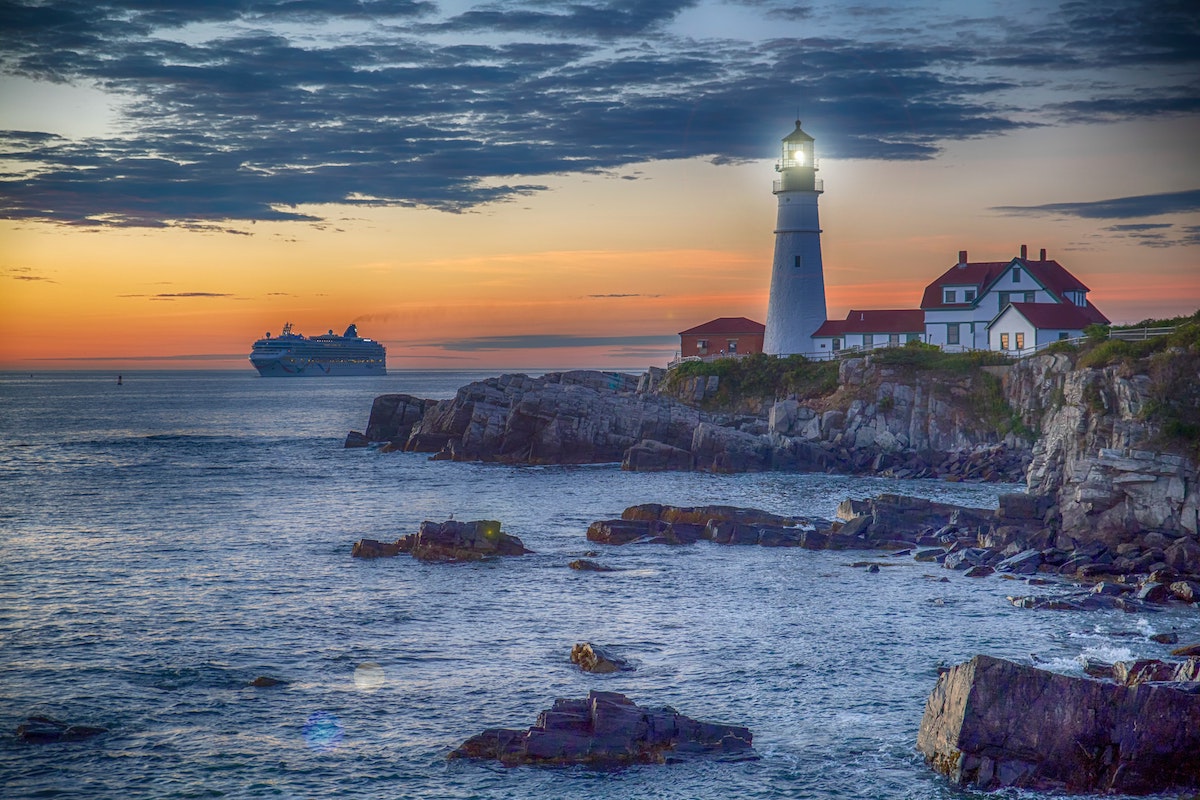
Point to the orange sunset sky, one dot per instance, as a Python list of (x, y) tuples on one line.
[(526, 189)]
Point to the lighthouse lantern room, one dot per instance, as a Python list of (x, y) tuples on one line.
[(797, 303)]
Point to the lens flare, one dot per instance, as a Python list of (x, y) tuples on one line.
[(323, 731), (368, 676)]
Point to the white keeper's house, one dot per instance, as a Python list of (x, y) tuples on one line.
[(1012, 305)]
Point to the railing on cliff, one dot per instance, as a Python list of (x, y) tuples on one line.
[(1123, 334)]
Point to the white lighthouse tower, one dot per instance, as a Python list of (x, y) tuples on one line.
[(797, 305)]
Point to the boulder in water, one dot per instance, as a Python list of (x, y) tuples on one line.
[(607, 729), (593, 658), (45, 730)]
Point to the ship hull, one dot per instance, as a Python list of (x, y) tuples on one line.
[(315, 368)]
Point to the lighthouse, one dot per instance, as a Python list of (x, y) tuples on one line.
[(797, 305)]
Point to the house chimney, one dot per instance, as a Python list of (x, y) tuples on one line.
[(1024, 252), (962, 258), (1043, 256)]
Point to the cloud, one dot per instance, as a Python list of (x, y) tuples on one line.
[(603, 296), (262, 110), (25, 274), (551, 341), (1146, 205), (173, 295)]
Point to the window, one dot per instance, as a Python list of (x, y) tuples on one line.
[(702, 345), (837, 345), (733, 345), (799, 262), (893, 339), (1062, 335), (868, 340), (1005, 299), (1030, 297), (969, 296), (952, 333), (912, 337), (948, 296), (1021, 341), (1004, 341), (1016, 274)]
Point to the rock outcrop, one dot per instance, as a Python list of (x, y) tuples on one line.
[(600, 660), (1097, 456), (991, 723), (446, 541), (607, 729), (652, 523), (45, 730), (392, 419)]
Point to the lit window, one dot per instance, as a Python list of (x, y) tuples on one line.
[(1020, 341), (1004, 341), (948, 295)]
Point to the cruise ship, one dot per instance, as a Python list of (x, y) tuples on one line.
[(293, 355)]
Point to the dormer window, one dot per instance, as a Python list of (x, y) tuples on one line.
[(969, 296), (949, 296), (1016, 275)]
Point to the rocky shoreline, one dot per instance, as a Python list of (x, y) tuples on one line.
[(1109, 522)]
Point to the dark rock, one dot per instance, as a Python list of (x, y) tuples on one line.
[(1134, 673), (1154, 593), (461, 541), (607, 730), (873, 568), (979, 571), (356, 439), (393, 417), (1165, 638), (1187, 650), (45, 730), (1097, 669), (651, 456), (990, 723), (1184, 556), (265, 682), (1187, 591), (1023, 563), (585, 565), (593, 658), (372, 548)]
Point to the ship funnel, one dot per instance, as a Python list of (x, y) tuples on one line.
[(351, 332)]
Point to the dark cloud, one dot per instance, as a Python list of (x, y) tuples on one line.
[(173, 295), (1146, 205), (550, 340), (299, 103), (24, 274)]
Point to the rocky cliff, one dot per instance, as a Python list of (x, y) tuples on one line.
[(1103, 454)]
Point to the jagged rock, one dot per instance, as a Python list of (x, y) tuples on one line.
[(1184, 556), (393, 417), (1134, 673), (356, 439), (593, 658), (979, 571), (1187, 591), (372, 548), (1187, 650), (604, 730), (718, 449), (586, 565), (461, 541), (1023, 563), (45, 730), (622, 531), (990, 723)]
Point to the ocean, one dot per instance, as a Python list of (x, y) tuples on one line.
[(166, 541)]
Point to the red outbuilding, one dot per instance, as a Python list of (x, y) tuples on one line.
[(722, 336)]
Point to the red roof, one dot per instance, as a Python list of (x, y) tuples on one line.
[(726, 325), (1063, 316), (903, 320), (982, 274)]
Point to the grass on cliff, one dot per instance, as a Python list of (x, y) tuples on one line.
[(760, 376), (1172, 362)]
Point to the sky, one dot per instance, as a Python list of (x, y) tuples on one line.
[(536, 184)]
